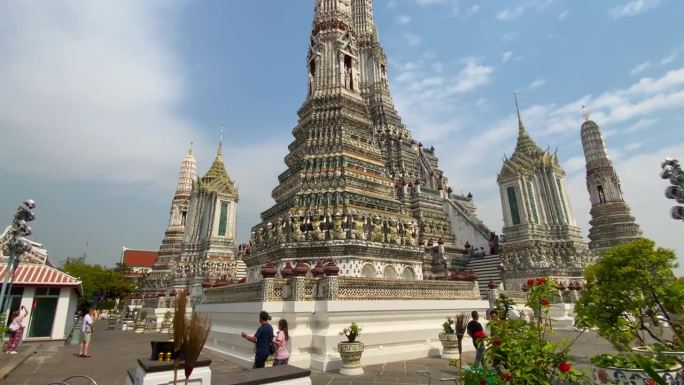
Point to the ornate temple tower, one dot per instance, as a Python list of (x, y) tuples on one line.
[(419, 183), (336, 200), (611, 221), (208, 248), (173, 237), (541, 236)]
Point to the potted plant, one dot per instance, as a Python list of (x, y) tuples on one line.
[(624, 312), (140, 324), (449, 340), (166, 323), (351, 351), (628, 369), (520, 353)]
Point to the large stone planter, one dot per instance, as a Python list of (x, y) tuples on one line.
[(351, 352), (622, 376), (449, 345)]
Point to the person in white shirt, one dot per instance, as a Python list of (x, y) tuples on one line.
[(86, 333)]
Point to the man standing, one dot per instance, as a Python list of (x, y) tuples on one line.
[(475, 331), (263, 338), (86, 333)]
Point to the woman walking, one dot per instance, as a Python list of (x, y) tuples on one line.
[(16, 330), (282, 354)]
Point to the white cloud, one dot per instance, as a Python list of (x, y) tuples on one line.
[(392, 4), (426, 92), (633, 8), (641, 124), (564, 15), (672, 79), (429, 2), (536, 84), (510, 14), (510, 36), (472, 76), (669, 58), (640, 68), (92, 78), (506, 56), (403, 19), (633, 146), (411, 39)]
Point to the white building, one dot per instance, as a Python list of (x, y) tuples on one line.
[(51, 296)]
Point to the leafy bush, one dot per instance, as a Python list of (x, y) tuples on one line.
[(613, 303), (351, 332), (522, 352), (446, 326), (628, 361), (504, 305)]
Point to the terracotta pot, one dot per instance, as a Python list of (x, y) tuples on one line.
[(286, 272), (318, 270), (268, 270), (331, 268), (300, 269), (351, 352)]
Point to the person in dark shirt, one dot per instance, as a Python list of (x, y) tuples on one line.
[(475, 331), (262, 338)]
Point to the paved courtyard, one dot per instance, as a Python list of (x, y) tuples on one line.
[(113, 352)]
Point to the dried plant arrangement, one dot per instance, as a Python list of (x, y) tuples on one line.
[(460, 326), (180, 330), (198, 331)]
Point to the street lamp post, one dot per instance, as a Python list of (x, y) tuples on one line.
[(17, 245), (672, 170)]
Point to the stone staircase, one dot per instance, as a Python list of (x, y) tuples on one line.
[(487, 268)]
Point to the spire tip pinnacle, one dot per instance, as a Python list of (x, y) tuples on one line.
[(585, 113), (521, 128)]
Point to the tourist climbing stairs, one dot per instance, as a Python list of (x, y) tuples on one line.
[(487, 269)]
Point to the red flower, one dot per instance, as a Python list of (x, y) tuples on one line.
[(541, 281), (497, 342), (545, 302), (483, 382), (506, 376), (530, 282), (479, 334), (564, 367), (650, 381)]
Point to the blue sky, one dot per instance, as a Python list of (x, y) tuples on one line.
[(99, 101)]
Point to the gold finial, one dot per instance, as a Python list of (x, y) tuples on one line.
[(517, 109), (220, 148), (585, 113)]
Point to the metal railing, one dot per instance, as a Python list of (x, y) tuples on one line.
[(66, 381)]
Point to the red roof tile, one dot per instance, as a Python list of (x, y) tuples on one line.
[(139, 258), (41, 275)]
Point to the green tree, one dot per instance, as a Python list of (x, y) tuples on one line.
[(98, 282), (630, 285)]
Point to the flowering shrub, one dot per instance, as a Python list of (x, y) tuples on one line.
[(519, 352)]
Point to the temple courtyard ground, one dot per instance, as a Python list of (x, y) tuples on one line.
[(113, 352)]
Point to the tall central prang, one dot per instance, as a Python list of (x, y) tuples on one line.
[(357, 189)]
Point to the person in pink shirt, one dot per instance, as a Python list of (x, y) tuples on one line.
[(16, 330), (282, 355)]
